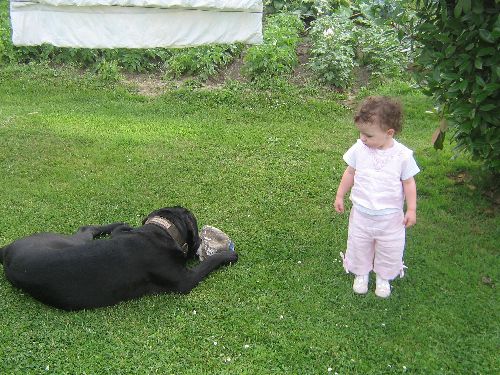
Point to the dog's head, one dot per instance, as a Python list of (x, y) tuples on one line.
[(186, 224)]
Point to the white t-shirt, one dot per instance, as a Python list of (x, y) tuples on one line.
[(378, 188)]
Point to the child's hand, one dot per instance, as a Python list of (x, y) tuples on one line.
[(339, 205), (410, 218)]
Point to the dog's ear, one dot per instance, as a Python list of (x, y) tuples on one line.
[(193, 235), (192, 224), (161, 212)]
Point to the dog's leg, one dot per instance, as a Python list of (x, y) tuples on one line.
[(121, 228), (90, 232), (210, 264)]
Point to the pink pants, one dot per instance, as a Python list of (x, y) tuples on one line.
[(375, 243)]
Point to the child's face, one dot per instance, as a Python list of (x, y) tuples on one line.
[(373, 136)]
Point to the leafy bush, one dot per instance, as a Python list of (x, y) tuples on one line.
[(108, 71), (277, 55), (6, 52), (340, 44), (132, 60), (2, 45), (398, 15), (332, 52), (203, 60), (140, 60), (379, 50), (304, 8), (459, 65)]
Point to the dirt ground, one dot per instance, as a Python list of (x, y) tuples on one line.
[(153, 84)]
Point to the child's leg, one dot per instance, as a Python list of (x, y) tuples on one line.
[(389, 247), (360, 245)]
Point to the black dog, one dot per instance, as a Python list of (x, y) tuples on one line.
[(83, 271)]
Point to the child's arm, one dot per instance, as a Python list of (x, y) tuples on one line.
[(345, 185), (410, 190)]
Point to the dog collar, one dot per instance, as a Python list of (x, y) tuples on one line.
[(171, 229)]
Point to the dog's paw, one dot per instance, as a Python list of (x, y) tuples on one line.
[(232, 256)]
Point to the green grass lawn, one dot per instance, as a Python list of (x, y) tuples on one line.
[(264, 167)]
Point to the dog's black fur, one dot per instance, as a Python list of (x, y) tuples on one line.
[(83, 271)]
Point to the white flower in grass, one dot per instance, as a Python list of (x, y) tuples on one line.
[(215, 343), (328, 33), (246, 346)]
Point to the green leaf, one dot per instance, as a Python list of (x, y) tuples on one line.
[(279, 4), (486, 51), (450, 76), (457, 12), (487, 107), (478, 63), (463, 85), (492, 87), (486, 36), (480, 97), (466, 6), (470, 46), (478, 7), (450, 50), (436, 74), (466, 67), (438, 139)]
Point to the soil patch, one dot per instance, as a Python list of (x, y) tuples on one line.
[(150, 84)]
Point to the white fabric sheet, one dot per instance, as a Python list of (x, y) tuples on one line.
[(227, 5), (135, 23)]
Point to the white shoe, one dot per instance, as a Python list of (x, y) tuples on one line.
[(360, 285), (383, 288)]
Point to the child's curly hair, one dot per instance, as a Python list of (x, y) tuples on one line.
[(388, 112)]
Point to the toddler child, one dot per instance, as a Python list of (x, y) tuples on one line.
[(380, 176)]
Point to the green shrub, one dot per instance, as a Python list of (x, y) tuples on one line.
[(108, 71), (138, 60), (379, 50), (332, 52), (203, 60), (343, 41), (398, 15), (304, 8), (277, 55), (6, 48), (131, 60), (459, 65), (2, 48)]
